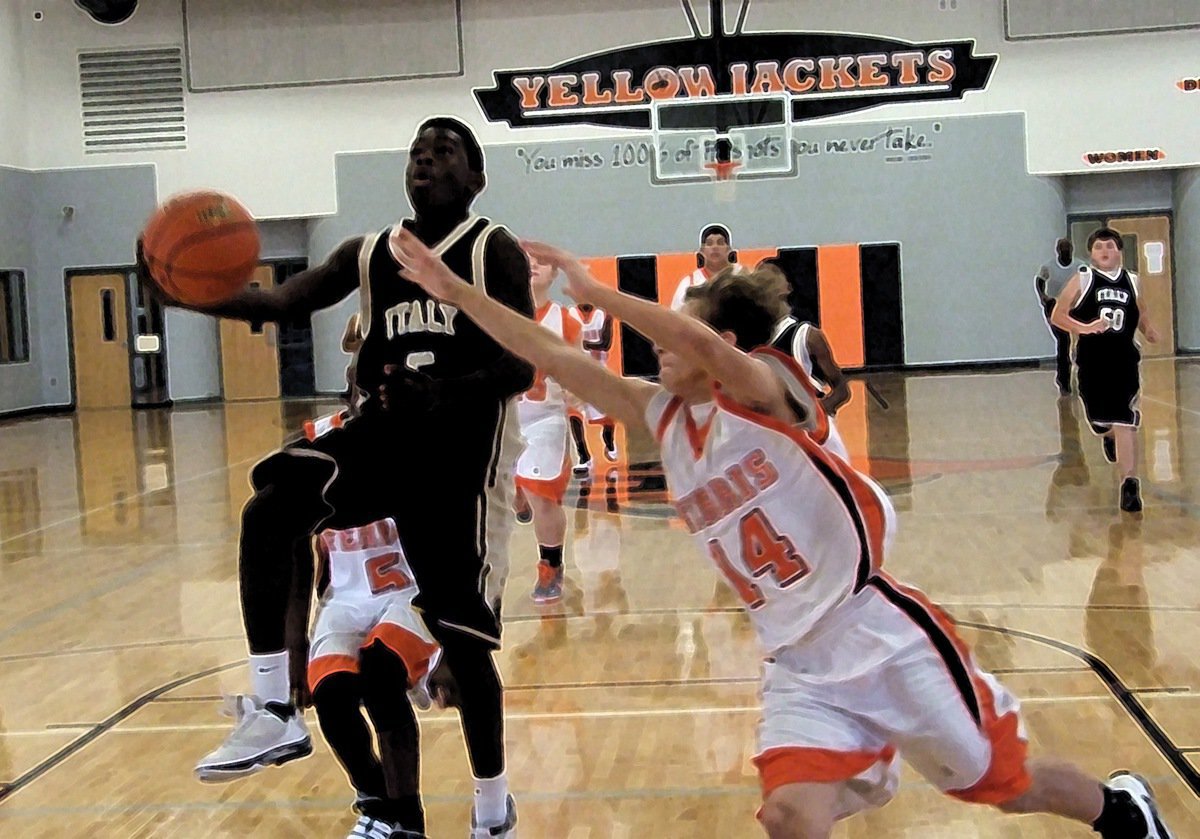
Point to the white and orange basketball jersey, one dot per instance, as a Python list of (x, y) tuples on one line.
[(366, 560), (792, 527), (592, 330), (546, 396)]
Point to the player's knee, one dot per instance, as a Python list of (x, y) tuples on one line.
[(785, 819), (336, 692)]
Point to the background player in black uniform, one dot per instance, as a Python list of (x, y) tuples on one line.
[(1102, 306), (433, 448)]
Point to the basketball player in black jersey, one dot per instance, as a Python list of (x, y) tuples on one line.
[(1101, 305), (433, 447)]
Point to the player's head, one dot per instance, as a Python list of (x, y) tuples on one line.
[(743, 308), (1064, 250), (541, 275), (1104, 248), (716, 248), (445, 166)]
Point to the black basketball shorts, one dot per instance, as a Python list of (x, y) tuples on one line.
[(1110, 394)]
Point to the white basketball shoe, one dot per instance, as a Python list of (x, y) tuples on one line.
[(259, 739)]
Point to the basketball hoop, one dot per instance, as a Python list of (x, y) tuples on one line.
[(724, 175)]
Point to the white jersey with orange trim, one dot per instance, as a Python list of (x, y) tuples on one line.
[(366, 561), (793, 528), (592, 330), (697, 278), (369, 599), (546, 397)]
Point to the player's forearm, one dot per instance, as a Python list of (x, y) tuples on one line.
[(570, 367), (667, 329), (255, 305)]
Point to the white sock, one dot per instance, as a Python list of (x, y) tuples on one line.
[(269, 679), (491, 800)]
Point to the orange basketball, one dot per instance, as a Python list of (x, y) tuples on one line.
[(201, 247)]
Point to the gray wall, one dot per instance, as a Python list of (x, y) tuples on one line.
[(1187, 258), (20, 384), (973, 225), (1119, 191), (111, 205), (284, 238)]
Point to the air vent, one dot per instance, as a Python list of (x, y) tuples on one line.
[(132, 100)]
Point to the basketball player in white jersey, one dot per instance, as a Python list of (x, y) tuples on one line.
[(859, 668), (716, 254), (597, 338), (541, 474), (368, 644)]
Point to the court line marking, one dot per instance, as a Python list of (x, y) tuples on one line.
[(1158, 401), (531, 618), (1128, 699), (114, 719), (451, 718)]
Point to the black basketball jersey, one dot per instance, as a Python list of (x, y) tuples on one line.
[(786, 339), (406, 327), (1113, 300)]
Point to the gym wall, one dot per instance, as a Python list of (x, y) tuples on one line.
[(327, 160)]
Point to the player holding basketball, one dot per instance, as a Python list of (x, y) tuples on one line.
[(859, 668), (715, 255), (597, 340), (433, 448), (542, 474), (1102, 304)]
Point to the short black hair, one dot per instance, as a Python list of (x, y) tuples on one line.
[(720, 230), (470, 143), (1106, 233)]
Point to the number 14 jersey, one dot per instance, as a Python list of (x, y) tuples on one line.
[(790, 525)]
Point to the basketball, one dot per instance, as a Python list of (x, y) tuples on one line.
[(201, 247)]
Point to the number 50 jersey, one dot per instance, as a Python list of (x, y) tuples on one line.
[(791, 526), (1115, 300)]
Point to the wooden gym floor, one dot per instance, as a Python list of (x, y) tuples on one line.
[(632, 706)]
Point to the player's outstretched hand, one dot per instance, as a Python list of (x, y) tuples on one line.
[(581, 285), (422, 266)]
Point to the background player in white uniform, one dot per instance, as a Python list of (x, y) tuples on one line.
[(597, 337), (368, 643), (859, 668), (715, 255), (541, 474)]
